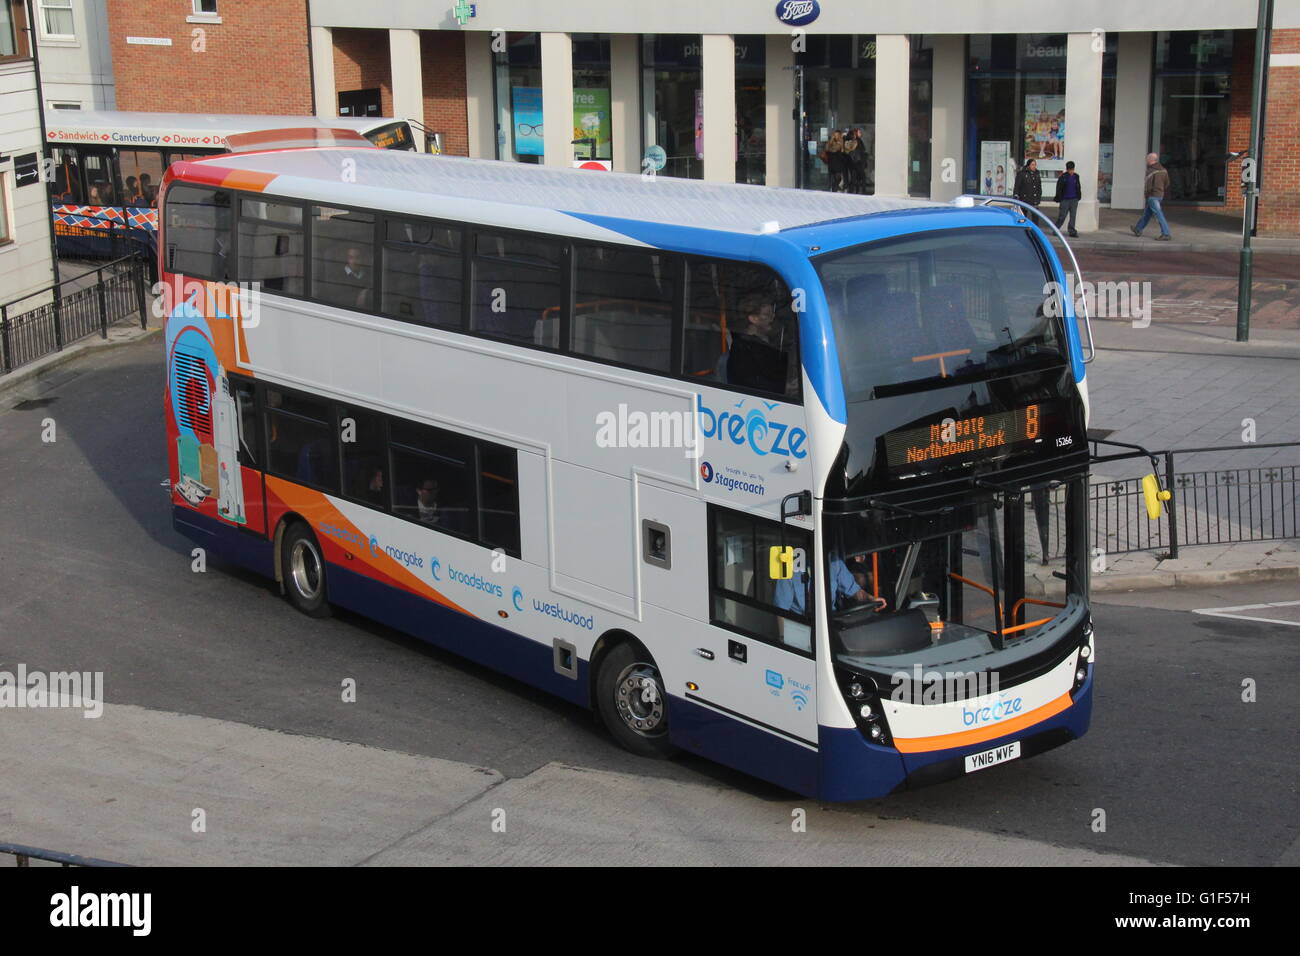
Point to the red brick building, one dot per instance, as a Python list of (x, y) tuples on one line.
[(252, 57)]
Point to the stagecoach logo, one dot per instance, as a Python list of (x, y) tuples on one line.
[(796, 13)]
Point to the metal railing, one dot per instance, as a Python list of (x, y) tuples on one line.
[(51, 318), (1209, 506), (23, 856)]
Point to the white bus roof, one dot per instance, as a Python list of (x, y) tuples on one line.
[(540, 198), (180, 130)]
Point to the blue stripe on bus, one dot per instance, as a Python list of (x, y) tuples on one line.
[(746, 748), (478, 640)]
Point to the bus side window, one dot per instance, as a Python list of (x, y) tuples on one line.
[(741, 328), (201, 247), (433, 477), (301, 441), (250, 445), (363, 437), (270, 245), (142, 172), (342, 257), (624, 310), (518, 290), (745, 597), (422, 266)]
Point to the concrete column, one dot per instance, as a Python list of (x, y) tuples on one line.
[(718, 57), (1083, 119), (478, 95), (779, 124), (893, 59), (625, 102), (557, 99), (948, 117), (322, 72), (408, 79), (1132, 120)]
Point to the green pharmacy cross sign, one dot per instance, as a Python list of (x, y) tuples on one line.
[(463, 11)]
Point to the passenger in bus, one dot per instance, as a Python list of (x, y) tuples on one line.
[(356, 275), (98, 190), (426, 501), (760, 351), (374, 490), (132, 196)]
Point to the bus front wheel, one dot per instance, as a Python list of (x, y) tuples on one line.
[(631, 701), (302, 568)]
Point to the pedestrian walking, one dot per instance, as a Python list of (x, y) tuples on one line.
[(855, 154), (836, 163), (1029, 188), (1157, 184), (1068, 193)]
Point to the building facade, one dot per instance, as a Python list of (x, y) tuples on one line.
[(26, 259), (949, 96), (75, 58)]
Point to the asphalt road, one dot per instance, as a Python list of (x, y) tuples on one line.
[(94, 578)]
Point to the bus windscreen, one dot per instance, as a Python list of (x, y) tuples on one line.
[(940, 308)]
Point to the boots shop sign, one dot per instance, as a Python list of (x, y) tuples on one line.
[(798, 13)]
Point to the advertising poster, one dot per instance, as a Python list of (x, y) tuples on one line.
[(1045, 136), (1105, 170), (526, 103), (591, 126), (699, 124), (996, 175)]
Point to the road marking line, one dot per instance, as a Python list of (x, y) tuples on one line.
[(1226, 612)]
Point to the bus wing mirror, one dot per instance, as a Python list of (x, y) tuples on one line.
[(1155, 496)]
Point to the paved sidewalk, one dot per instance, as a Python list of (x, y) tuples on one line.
[(1179, 385), (1192, 231), (268, 798), (117, 335)]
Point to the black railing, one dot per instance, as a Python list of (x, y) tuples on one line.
[(1220, 506), (48, 320), (23, 855)]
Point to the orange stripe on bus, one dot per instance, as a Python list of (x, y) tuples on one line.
[(918, 745), (247, 179)]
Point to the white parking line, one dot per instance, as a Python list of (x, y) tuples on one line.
[(1228, 612)]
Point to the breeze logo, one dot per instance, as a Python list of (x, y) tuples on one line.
[(752, 427), (74, 908), (1000, 710)]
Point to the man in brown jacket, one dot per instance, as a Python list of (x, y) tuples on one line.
[(1157, 184)]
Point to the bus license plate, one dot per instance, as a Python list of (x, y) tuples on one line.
[(989, 757)]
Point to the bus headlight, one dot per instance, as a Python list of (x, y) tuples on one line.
[(863, 697)]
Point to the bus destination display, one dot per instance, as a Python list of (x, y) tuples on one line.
[(960, 441)]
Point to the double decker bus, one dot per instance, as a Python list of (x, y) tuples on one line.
[(106, 165), (765, 475)]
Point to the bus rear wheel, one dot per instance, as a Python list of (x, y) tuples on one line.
[(631, 701), (302, 568)]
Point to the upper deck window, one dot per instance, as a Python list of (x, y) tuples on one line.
[(198, 232), (940, 308), (270, 245)]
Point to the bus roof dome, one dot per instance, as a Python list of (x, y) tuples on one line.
[(468, 189)]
